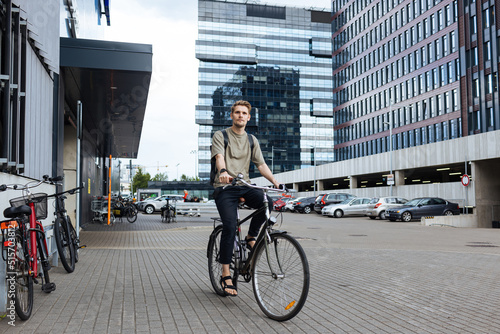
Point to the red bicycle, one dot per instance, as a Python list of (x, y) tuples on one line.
[(28, 246)]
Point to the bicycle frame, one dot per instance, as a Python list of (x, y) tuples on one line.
[(264, 234), (34, 228)]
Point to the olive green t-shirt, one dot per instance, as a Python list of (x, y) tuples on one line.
[(237, 154)]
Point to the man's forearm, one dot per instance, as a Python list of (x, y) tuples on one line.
[(266, 172)]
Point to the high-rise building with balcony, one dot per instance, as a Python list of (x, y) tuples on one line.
[(279, 59)]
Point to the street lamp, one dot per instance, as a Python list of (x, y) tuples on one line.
[(391, 124), (177, 170), (314, 158), (272, 156)]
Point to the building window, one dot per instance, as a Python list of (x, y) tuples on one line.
[(489, 84), (455, 99), (487, 51), (491, 117), (475, 88), (473, 25)]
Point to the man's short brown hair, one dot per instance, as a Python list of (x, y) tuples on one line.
[(241, 103)]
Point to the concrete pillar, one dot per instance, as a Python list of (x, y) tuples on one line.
[(353, 183), (296, 187), (320, 185), (399, 178)]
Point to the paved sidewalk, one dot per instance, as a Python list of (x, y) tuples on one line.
[(367, 277)]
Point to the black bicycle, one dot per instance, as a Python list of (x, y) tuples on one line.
[(277, 266), (168, 213), (122, 208), (67, 241)]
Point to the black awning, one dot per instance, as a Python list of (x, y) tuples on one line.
[(111, 79)]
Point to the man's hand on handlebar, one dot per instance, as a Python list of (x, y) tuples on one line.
[(283, 187), (225, 178)]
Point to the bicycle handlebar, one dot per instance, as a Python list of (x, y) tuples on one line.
[(70, 191), (239, 178), (31, 184)]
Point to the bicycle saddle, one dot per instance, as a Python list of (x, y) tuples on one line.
[(17, 211)]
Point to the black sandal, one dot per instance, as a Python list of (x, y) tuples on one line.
[(250, 248), (225, 286)]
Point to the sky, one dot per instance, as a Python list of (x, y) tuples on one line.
[(169, 139)]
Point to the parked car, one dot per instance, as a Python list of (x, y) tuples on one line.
[(350, 207), (327, 199), (305, 205), (379, 205), (154, 205), (279, 205), (289, 206), (422, 207)]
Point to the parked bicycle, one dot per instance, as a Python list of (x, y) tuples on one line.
[(168, 213), (29, 248), (67, 241), (277, 265), (122, 208)]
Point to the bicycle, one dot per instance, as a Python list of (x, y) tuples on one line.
[(67, 241), (30, 245), (168, 213), (277, 264), (125, 209)]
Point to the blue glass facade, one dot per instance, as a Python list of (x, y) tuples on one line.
[(277, 58)]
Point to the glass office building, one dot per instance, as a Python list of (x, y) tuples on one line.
[(277, 58), (395, 64)]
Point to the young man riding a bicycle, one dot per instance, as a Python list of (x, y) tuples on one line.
[(233, 152)]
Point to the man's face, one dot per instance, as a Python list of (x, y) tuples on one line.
[(240, 116)]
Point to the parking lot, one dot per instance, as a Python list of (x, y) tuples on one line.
[(367, 276)]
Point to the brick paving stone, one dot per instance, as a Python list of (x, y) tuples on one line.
[(151, 277)]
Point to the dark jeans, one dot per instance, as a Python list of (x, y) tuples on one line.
[(227, 204)]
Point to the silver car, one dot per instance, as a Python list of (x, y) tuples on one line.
[(350, 207), (378, 206), (154, 205)]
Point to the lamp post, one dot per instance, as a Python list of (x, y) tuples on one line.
[(314, 158), (272, 156), (177, 166), (391, 125)]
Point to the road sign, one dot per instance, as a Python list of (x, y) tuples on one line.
[(465, 180), (390, 179)]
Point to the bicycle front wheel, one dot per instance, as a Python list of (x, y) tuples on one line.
[(169, 216), (23, 297), (64, 245), (280, 277), (74, 239)]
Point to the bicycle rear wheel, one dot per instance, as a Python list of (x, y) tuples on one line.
[(214, 266), (280, 277), (65, 245), (131, 215), (23, 297), (169, 216)]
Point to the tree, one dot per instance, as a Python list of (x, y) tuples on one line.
[(160, 177), (140, 179), (184, 177)]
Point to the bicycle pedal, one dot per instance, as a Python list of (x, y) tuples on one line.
[(48, 287), (82, 246), (35, 280)]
